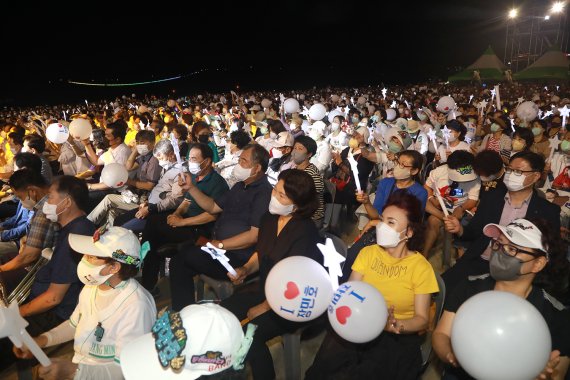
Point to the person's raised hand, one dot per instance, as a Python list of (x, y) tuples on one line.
[(452, 224), (362, 197)]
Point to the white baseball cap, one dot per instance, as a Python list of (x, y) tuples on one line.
[(462, 174), (117, 243), (284, 139), (202, 339), (520, 232)]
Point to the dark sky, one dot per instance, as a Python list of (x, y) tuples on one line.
[(255, 43)]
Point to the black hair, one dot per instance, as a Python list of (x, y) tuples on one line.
[(126, 272), (99, 140), (535, 160), (240, 138), (487, 162), (204, 149), (412, 206), (276, 126), (28, 160), (300, 188), (555, 275), (18, 129), (197, 127), (36, 142), (76, 189), (460, 158), (182, 131), (17, 138), (145, 135), (21, 179), (526, 135), (118, 129), (258, 155), (308, 143)]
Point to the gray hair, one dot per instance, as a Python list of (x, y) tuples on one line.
[(163, 147)]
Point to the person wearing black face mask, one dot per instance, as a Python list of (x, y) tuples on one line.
[(526, 260), (517, 199), (201, 133)]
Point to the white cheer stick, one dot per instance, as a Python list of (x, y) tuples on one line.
[(332, 260), (174, 142), (440, 200), (13, 326), (354, 168), (553, 143), (431, 135), (220, 255)]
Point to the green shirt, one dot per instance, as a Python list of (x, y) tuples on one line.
[(213, 185)]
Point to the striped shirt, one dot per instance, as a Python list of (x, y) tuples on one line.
[(320, 186)]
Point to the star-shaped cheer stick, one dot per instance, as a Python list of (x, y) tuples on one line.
[(470, 98), (440, 200), (220, 255), (393, 105), (520, 100), (564, 112), (13, 326), (384, 91), (431, 136), (354, 168), (553, 144), (446, 132), (547, 113), (332, 260)]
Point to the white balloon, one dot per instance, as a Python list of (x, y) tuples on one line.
[(358, 312), (317, 111), (265, 103), (291, 105), (527, 111), (391, 114), (500, 336), (298, 289), (445, 104), (171, 103), (114, 175), (57, 133), (80, 129)]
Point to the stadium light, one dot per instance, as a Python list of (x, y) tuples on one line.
[(547, 17), (513, 13), (557, 7)]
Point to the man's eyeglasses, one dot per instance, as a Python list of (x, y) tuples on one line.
[(517, 172), (511, 250)]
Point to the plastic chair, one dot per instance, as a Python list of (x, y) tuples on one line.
[(438, 298)]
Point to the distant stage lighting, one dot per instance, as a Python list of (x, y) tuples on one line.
[(547, 17), (557, 7), (513, 13)]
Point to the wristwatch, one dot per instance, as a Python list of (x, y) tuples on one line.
[(221, 245)]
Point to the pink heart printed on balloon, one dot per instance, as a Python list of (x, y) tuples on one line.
[(292, 290), (342, 314), (120, 184)]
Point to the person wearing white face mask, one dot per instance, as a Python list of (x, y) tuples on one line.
[(518, 200), (239, 212), (456, 142), (281, 152), (189, 222), (30, 188), (113, 308), (166, 195), (147, 175), (406, 280), (56, 287), (287, 230), (238, 140)]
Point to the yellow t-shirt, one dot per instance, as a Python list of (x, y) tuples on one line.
[(399, 280), (130, 137)]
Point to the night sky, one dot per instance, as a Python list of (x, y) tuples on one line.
[(281, 44)]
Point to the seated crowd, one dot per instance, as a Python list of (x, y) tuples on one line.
[(261, 181)]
